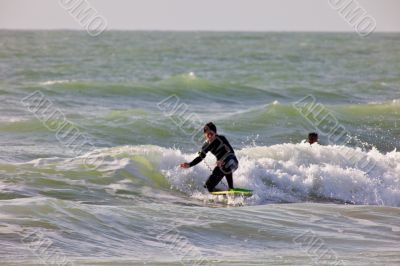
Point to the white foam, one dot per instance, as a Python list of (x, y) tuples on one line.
[(298, 172), (52, 82), (278, 173), (9, 119)]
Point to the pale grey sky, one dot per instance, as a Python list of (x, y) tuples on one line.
[(240, 15)]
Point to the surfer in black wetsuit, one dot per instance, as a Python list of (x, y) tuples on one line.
[(226, 159)]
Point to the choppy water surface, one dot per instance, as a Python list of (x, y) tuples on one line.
[(311, 204)]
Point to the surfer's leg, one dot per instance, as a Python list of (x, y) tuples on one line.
[(229, 167), (214, 179), (230, 180)]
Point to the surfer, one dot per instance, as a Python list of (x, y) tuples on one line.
[(313, 138), (227, 162)]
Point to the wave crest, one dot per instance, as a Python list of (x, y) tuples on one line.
[(278, 173)]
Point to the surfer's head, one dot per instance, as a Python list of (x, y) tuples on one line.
[(312, 137), (210, 131)]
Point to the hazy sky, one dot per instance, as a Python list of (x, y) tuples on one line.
[(241, 15)]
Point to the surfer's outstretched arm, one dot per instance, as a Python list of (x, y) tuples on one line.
[(195, 161), (210, 131)]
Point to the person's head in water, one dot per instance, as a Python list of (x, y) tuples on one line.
[(210, 131), (312, 138)]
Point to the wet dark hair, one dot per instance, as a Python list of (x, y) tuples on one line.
[(210, 127), (313, 135)]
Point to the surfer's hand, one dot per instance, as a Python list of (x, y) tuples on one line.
[(185, 165), (220, 163)]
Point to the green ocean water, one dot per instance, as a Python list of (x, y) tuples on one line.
[(140, 98)]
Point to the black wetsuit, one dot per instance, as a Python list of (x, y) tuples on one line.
[(221, 148)]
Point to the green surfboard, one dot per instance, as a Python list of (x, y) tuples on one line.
[(235, 191)]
